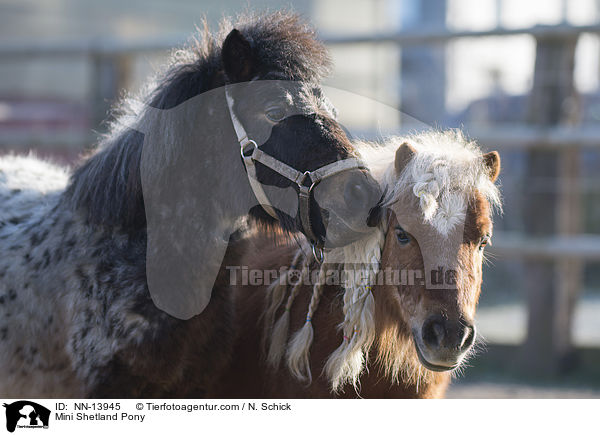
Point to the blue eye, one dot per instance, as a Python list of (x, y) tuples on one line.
[(403, 237)]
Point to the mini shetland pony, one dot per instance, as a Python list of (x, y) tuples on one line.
[(374, 337), (76, 314)]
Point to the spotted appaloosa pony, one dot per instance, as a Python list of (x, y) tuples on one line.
[(390, 339), (76, 315)]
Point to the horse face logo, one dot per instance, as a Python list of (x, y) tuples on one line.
[(24, 413)]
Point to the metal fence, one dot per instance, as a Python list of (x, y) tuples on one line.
[(560, 250)]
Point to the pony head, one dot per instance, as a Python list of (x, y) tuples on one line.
[(441, 195)]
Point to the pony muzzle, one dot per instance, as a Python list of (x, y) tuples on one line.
[(442, 344)]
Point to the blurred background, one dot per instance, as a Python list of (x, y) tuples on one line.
[(521, 77)]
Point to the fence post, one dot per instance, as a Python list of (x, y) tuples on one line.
[(423, 68), (549, 208), (569, 273)]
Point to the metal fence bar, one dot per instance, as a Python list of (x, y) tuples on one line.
[(434, 35), (84, 47), (518, 137), (508, 244), (405, 37), (524, 137), (508, 138)]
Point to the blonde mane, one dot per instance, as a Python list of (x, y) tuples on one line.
[(444, 172), (347, 362)]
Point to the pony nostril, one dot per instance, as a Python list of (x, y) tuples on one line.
[(468, 338), (433, 332)]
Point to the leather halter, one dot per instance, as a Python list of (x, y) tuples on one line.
[(306, 181)]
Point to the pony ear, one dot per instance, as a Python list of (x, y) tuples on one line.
[(491, 161), (404, 153), (238, 58)]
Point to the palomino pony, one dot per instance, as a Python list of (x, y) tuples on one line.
[(77, 316), (381, 333)]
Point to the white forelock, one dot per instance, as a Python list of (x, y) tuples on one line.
[(446, 170)]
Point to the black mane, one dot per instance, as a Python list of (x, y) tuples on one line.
[(107, 186), (281, 41)]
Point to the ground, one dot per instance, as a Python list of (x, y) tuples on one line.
[(503, 390)]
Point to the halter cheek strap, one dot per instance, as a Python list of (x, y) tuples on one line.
[(305, 181), (246, 145)]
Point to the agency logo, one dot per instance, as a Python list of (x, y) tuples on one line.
[(25, 414)]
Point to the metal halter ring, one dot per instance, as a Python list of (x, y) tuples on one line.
[(318, 254), (244, 149), (305, 175)]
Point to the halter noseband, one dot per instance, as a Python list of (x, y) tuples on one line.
[(306, 181)]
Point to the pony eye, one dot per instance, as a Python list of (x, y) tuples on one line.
[(275, 114), (483, 242), (403, 237)]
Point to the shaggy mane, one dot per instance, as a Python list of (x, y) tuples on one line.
[(107, 186)]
